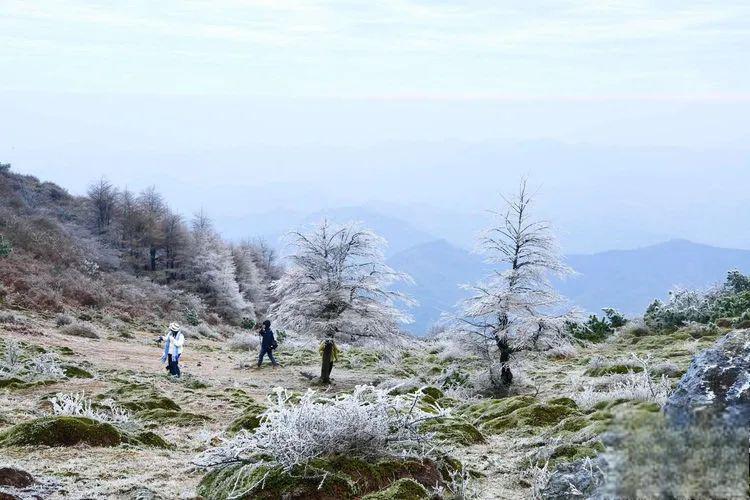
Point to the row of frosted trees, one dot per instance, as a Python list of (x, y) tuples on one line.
[(337, 285)]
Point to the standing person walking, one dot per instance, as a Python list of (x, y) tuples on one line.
[(173, 349), (267, 344)]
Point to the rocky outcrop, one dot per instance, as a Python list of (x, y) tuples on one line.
[(580, 479), (716, 386)]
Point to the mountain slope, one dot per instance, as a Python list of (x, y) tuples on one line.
[(630, 279), (625, 279)]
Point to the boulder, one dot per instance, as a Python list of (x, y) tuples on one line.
[(575, 480), (15, 478), (717, 384)]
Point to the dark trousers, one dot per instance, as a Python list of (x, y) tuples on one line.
[(173, 366), (263, 352)]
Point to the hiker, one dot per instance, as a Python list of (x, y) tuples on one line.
[(173, 349), (267, 344)]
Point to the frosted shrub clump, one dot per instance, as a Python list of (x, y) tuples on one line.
[(46, 364), (244, 342), (365, 423), (11, 362), (78, 405), (635, 386)]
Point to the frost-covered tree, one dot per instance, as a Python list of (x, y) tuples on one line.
[(338, 285), (516, 307), (212, 271), (247, 272)]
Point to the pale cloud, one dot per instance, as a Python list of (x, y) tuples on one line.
[(387, 47)]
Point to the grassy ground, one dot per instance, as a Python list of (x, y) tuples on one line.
[(218, 387)]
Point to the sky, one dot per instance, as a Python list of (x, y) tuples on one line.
[(631, 116)]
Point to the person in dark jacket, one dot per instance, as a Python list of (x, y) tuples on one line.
[(267, 344)]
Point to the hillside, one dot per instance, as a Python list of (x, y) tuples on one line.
[(627, 280)]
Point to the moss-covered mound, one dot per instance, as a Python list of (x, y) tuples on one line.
[(147, 438), (499, 415), (72, 371), (249, 420), (139, 397), (61, 431), (333, 479), (403, 489), (15, 383), (454, 431)]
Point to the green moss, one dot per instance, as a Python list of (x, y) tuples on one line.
[(403, 489), (61, 431), (433, 392), (573, 452), (148, 438), (249, 420), (333, 478), (534, 415), (139, 397), (76, 372), (66, 351), (455, 431), (571, 424), (172, 417), (15, 383), (563, 402), (493, 408)]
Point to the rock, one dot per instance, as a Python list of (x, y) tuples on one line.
[(576, 480), (61, 431), (717, 384), (15, 478)]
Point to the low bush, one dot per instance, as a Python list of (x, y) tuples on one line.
[(63, 320), (80, 330), (244, 342), (366, 423)]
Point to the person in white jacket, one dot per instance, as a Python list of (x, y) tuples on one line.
[(173, 349)]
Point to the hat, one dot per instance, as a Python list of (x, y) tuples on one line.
[(175, 327)]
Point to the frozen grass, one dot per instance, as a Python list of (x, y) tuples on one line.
[(634, 386), (78, 405)]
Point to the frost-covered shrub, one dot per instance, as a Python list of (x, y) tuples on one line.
[(63, 320), (244, 342), (636, 328), (683, 306), (46, 364), (616, 318), (78, 405), (7, 318), (11, 357), (366, 423), (634, 386), (80, 330), (205, 331), (5, 247)]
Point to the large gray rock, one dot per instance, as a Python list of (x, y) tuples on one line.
[(716, 386), (576, 480)]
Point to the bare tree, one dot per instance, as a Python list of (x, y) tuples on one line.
[(337, 284), (516, 307), (103, 198), (154, 210)]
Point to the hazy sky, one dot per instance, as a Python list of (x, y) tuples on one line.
[(633, 116)]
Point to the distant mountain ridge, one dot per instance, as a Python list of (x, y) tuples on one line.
[(624, 279)]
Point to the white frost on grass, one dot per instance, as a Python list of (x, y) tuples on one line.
[(635, 386), (78, 405), (366, 423)]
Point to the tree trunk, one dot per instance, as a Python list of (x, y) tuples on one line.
[(506, 375), (152, 254), (327, 362)]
